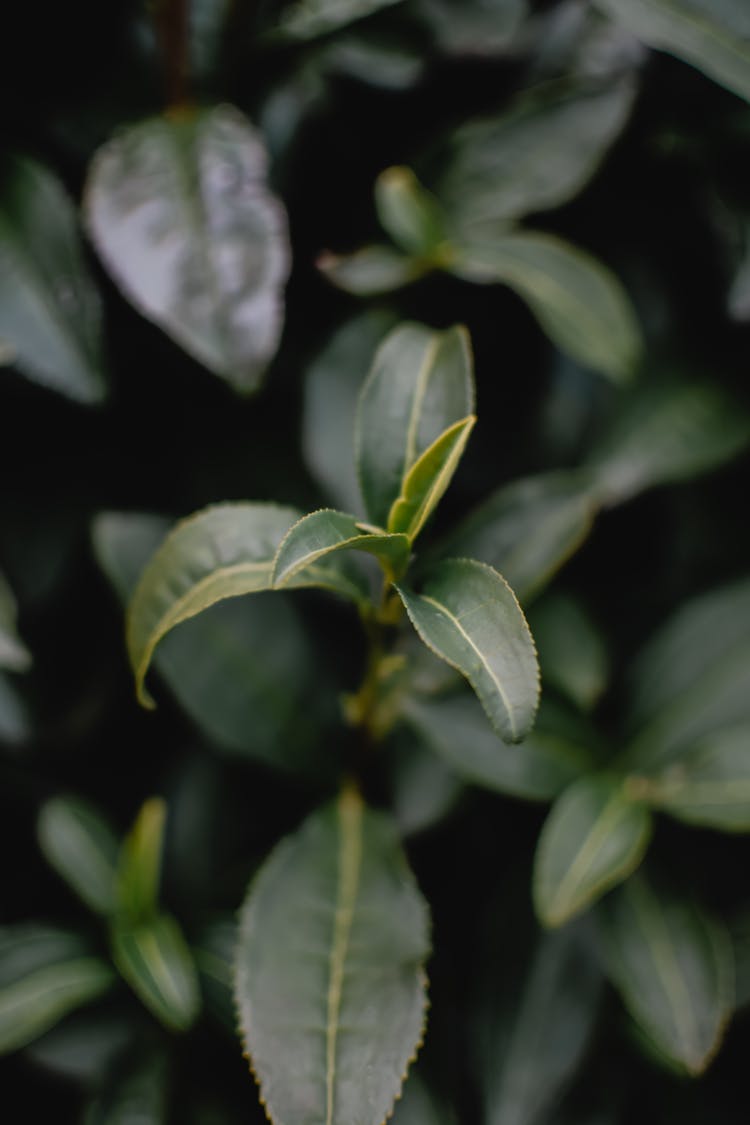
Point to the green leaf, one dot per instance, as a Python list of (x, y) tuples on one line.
[(306, 19), (139, 867), (527, 529), (663, 434), (82, 848), (535, 156), (593, 838), (572, 653), (49, 307), (332, 385), (213, 951), (15, 723), (426, 481), (709, 784), (45, 973), (408, 213), (333, 938), (320, 534), (467, 614), (455, 728), (371, 271), (423, 789), (13, 652), (578, 302), (85, 1045), (540, 1027), (417, 1106), (474, 27), (421, 383), (243, 670), (181, 215), (673, 967), (135, 1095), (714, 37), (154, 958)]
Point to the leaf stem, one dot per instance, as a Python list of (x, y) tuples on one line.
[(171, 18)]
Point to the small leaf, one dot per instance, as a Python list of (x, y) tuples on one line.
[(13, 652), (593, 838), (371, 271), (322, 533), (329, 978), (408, 213), (709, 784), (180, 213), (527, 529), (136, 1095), (467, 614), (572, 653), (49, 307), (673, 968), (421, 383), (578, 302), (306, 19), (139, 868), (428, 478), (535, 156), (666, 433), (154, 958), (713, 37), (82, 848), (44, 974)]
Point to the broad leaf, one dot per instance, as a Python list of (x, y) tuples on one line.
[(673, 968), (712, 35), (708, 784), (527, 529), (428, 478), (372, 270), (456, 729), (13, 652), (44, 974), (306, 19), (539, 1029), (49, 307), (243, 670), (320, 534), (468, 615), (82, 848), (139, 867), (535, 156), (666, 433), (154, 958), (408, 213), (180, 212), (421, 383), (332, 385), (572, 653), (221, 552), (135, 1095), (593, 838), (578, 302), (329, 971)]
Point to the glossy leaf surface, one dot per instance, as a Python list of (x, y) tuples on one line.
[(593, 838), (535, 156), (45, 973), (323, 533), (421, 382), (49, 308), (154, 958), (468, 615), (329, 971), (527, 529), (578, 302), (427, 480), (407, 212), (82, 848), (371, 271), (139, 866), (181, 214), (673, 967), (13, 652), (455, 727), (714, 37)]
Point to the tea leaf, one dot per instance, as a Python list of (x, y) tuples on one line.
[(182, 217), (49, 308), (408, 213), (421, 383), (154, 958), (322, 533), (428, 478), (572, 652), (139, 867), (82, 848), (136, 1094), (593, 838), (468, 615), (372, 270), (673, 967), (578, 302), (329, 977)]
